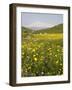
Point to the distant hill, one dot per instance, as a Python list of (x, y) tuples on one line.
[(26, 30), (56, 29)]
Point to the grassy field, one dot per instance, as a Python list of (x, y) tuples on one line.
[(42, 53)]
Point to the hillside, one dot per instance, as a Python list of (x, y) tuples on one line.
[(55, 29), (26, 30)]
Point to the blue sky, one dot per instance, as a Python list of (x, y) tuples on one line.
[(40, 20)]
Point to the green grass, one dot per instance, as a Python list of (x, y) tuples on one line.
[(41, 54)]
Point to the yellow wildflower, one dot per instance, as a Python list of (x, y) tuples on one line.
[(35, 59), (58, 50), (56, 62), (34, 55), (61, 64), (55, 55), (26, 70), (50, 54), (33, 50), (60, 69), (49, 48), (29, 48), (29, 67)]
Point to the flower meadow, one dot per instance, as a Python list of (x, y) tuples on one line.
[(41, 54)]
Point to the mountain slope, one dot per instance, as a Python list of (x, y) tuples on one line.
[(26, 30), (55, 29)]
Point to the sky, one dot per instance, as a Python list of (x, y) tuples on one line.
[(37, 21)]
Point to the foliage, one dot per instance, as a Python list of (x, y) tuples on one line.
[(42, 54)]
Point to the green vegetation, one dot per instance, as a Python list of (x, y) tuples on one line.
[(42, 52), (55, 29)]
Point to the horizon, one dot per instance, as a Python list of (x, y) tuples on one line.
[(37, 21), (43, 28)]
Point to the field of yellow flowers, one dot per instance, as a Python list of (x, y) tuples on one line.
[(42, 55)]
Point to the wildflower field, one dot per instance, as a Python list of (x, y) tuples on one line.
[(41, 54)]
